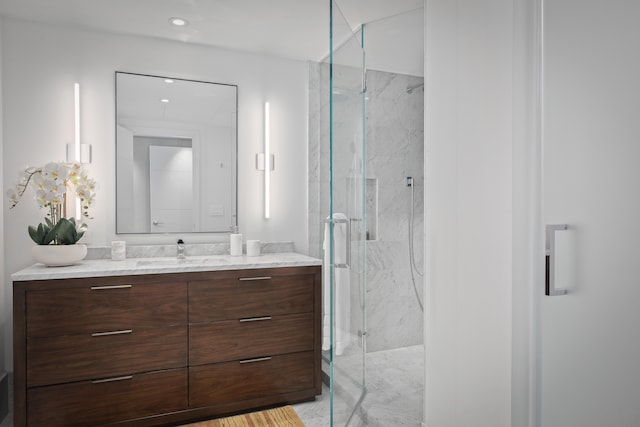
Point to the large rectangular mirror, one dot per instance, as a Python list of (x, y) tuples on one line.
[(176, 147)]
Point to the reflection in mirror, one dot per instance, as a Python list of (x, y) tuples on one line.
[(176, 146)]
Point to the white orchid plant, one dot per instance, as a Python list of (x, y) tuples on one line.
[(51, 183)]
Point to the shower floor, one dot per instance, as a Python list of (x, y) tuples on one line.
[(395, 393)]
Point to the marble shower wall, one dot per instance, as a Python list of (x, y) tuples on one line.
[(394, 151), (394, 130)]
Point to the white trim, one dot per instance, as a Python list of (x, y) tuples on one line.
[(528, 243)]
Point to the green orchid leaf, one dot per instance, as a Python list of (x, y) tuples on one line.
[(42, 235), (47, 220), (65, 232), (33, 233), (50, 235)]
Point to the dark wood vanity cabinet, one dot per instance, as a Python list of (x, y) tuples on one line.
[(167, 349)]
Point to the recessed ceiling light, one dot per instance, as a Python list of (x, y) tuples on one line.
[(165, 100), (178, 22), (168, 81)]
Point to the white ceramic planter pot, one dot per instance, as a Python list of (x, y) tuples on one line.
[(59, 255)]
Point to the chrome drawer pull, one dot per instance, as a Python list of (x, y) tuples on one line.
[(102, 288), (255, 319), (104, 334), (109, 380), (259, 359), (255, 278)]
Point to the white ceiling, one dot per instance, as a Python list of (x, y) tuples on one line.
[(296, 29), (187, 102)]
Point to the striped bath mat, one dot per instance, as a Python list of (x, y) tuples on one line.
[(277, 417)]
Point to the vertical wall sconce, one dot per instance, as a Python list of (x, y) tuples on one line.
[(76, 120), (78, 152), (265, 161), (76, 139)]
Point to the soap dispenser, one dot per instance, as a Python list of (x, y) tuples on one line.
[(235, 241)]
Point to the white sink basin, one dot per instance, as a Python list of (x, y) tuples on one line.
[(177, 261)]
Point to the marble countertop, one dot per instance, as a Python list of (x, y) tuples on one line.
[(134, 266)]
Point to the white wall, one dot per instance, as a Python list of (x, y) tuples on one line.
[(40, 65), (468, 161), (5, 305), (395, 44)]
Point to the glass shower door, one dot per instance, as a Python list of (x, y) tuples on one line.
[(344, 226)]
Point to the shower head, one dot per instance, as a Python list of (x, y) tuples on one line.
[(410, 89)]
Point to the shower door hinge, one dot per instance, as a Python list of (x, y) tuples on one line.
[(364, 81), (363, 336)]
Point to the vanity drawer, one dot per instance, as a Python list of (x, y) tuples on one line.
[(99, 307), (249, 338), (81, 357), (108, 400), (225, 383), (250, 296)]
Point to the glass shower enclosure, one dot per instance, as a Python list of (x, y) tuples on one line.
[(342, 217)]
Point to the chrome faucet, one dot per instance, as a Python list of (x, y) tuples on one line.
[(180, 249)]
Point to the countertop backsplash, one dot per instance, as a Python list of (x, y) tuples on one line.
[(191, 249)]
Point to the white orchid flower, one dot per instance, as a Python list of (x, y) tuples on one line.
[(51, 183)]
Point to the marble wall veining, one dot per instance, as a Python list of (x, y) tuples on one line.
[(190, 249), (394, 151), (394, 135), (318, 102)]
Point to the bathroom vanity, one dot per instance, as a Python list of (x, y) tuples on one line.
[(147, 343)]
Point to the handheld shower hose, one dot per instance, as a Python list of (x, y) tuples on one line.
[(412, 260)]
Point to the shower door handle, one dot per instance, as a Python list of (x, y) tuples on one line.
[(347, 249), (332, 223), (550, 260)]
